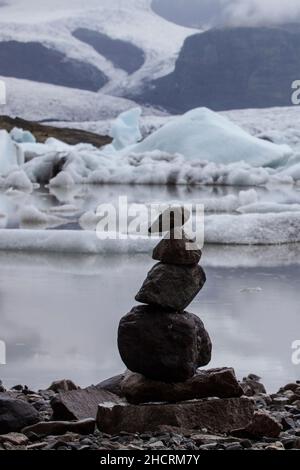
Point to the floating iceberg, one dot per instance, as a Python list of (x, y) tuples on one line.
[(125, 130), (200, 147), (202, 134), (11, 155), (20, 136), (18, 180)]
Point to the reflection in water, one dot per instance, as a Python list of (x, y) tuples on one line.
[(83, 198), (59, 315)]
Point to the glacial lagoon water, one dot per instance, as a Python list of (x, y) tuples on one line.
[(59, 313)]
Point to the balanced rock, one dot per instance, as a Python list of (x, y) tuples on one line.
[(219, 415), (171, 286), (162, 345), (221, 383), (15, 414), (169, 219), (174, 248)]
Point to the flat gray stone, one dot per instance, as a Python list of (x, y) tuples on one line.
[(80, 404), (58, 428)]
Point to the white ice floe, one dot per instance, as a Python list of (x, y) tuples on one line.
[(267, 208), (200, 147), (70, 241), (253, 229), (18, 179), (11, 155), (63, 179)]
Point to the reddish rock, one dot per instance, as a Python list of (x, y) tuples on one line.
[(220, 383), (262, 425), (219, 415), (58, 428)]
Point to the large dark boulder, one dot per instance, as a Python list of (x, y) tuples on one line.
[(221, 383), (163, 346), (15, 414), (171, 286), (220, 416)]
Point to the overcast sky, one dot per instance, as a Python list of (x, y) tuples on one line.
[(256, 11), (237, 12)]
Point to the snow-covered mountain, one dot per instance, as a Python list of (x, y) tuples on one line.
[(53, 25)]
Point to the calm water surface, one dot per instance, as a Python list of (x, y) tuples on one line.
[(59, 314)]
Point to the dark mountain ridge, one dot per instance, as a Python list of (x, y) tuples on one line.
[(231, 68)]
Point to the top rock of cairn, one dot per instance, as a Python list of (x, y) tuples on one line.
[(169, 219)]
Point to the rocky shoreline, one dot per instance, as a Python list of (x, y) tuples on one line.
[(277, 422)]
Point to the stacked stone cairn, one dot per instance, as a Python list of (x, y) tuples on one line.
[(159, 339), (163, 346)]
